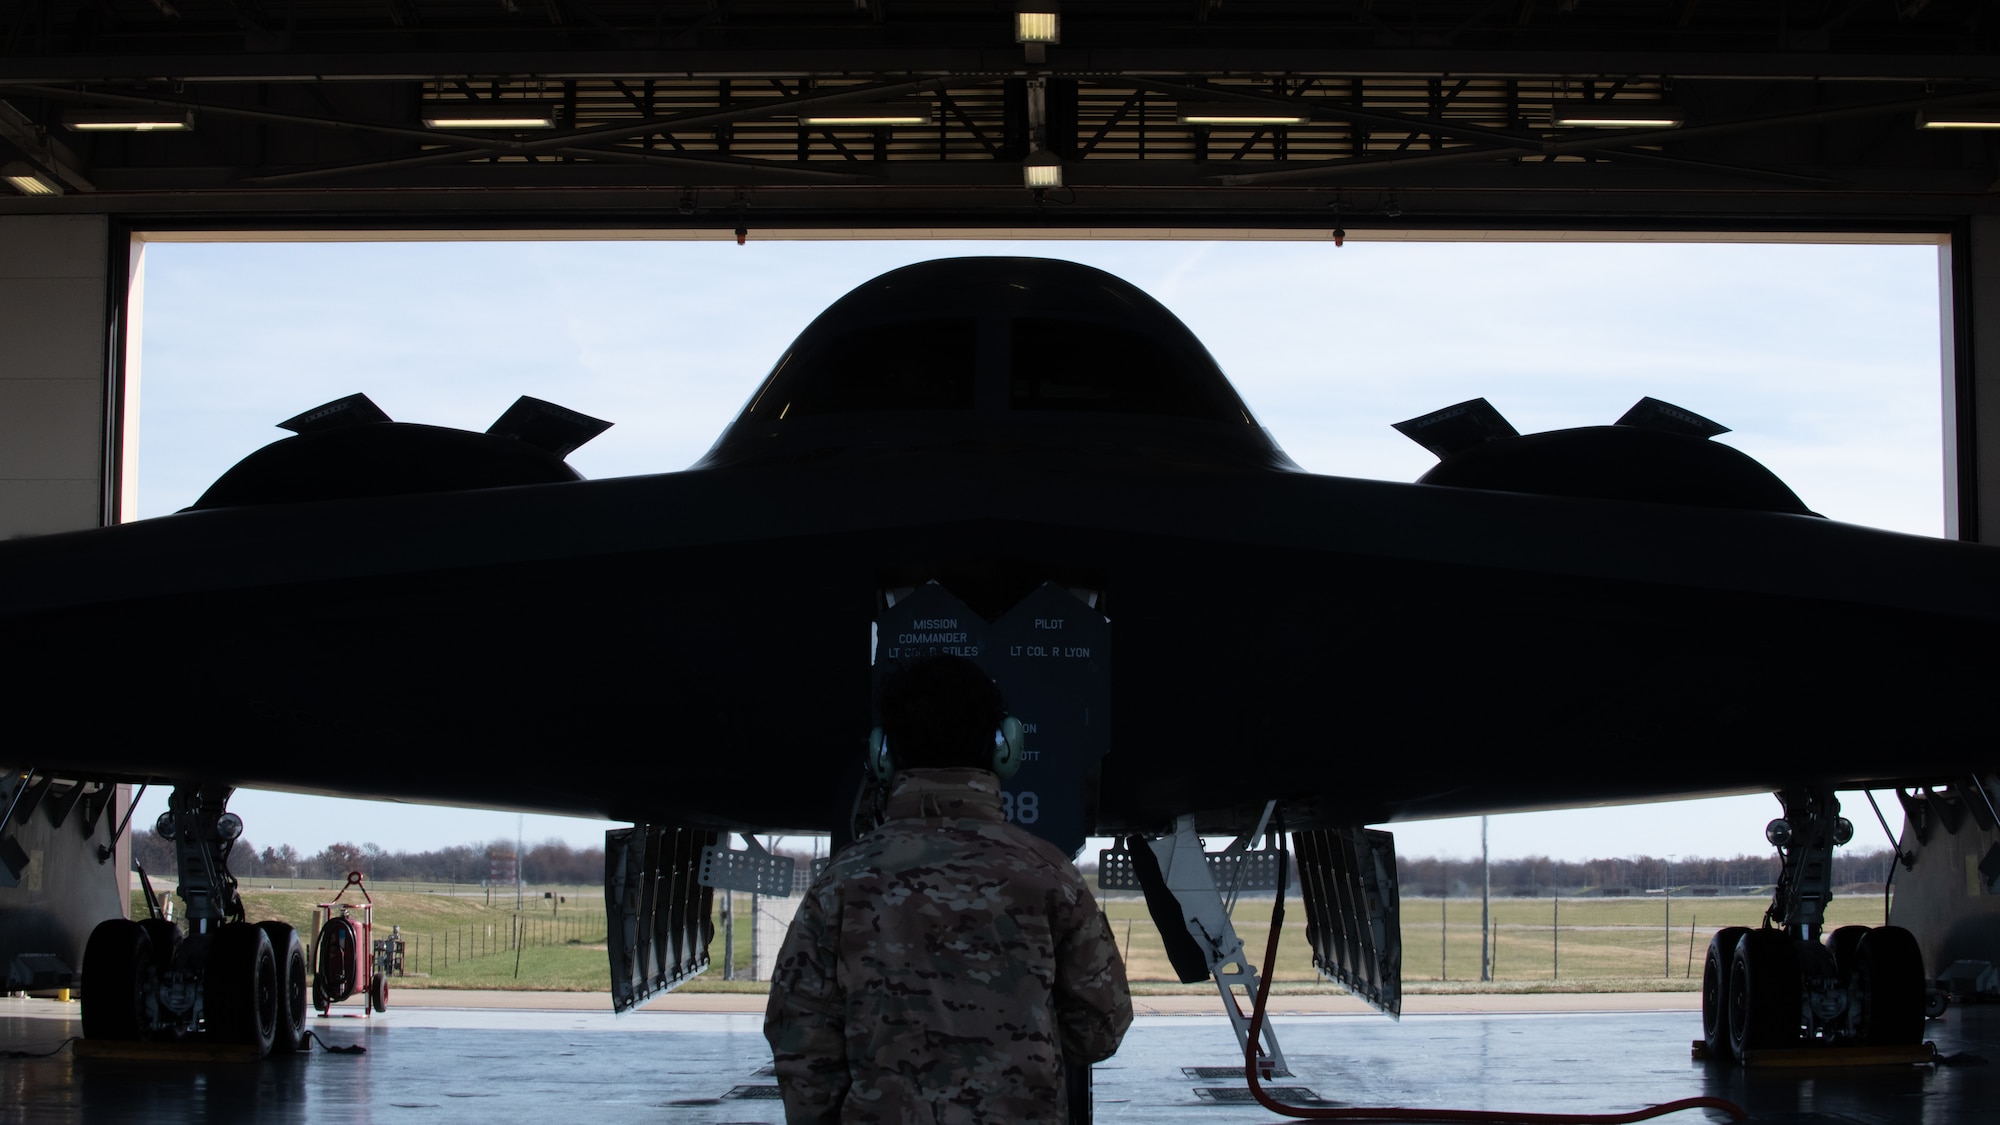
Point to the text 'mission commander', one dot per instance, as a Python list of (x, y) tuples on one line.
[(947, 966)]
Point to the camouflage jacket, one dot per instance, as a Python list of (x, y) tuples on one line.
[(943, 968)]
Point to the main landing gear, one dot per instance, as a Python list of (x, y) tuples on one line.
[(228, 979), (1785, 985)]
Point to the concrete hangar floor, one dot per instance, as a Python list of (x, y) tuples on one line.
[(687, 1059)]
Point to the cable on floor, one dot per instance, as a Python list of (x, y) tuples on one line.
[(350, 1049), (1402, 1113), (39, 1054)]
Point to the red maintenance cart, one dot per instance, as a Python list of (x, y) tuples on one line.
[(345, 957)]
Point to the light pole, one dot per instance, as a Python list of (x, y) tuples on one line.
[(1667, 928), (1485, 906)]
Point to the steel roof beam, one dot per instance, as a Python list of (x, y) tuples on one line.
[(272, 117), (582, 139), (523, 197), (587, 143), (1327, 109), (947, 105), (47, 154), (1746, 170), (1615, 140), (1080, 62), (1116, 185), (736, 164), (570, 142), (1117, 118)]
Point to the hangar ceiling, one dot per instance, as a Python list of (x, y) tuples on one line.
[(1407, 113)]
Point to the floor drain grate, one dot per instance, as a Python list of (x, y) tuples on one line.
[(762, 1093), (1240, 1095), (1211, 1073)]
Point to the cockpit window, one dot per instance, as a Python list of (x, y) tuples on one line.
[(913, 365), (1090, 365)]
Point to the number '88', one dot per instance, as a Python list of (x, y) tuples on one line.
[(1020, 808)]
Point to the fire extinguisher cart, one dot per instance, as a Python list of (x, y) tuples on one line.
[(345, 960)]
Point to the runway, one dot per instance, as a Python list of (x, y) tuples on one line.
[(436, 1065)]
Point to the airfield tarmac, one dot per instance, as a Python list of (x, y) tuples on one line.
[(702, 1059)]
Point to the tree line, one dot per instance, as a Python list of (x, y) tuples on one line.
[(555, 862), (551, 861), (1540, 875)]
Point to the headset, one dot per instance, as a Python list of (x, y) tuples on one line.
[(1009, 750)]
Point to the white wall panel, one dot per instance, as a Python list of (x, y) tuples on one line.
[(55, 445), (44, 246), (54, 323), (41, 507)]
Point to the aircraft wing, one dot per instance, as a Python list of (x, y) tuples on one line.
[(693, 646)]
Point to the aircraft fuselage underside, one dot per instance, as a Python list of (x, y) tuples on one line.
[(644, 677)]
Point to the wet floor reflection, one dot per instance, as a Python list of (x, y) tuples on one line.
[(553, 1067)]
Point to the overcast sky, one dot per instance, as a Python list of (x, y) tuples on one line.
[(1823, 359)]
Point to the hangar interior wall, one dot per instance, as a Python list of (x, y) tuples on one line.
[(55, 328), (57, 312), (1945, 900), (1941, 897), (66, 890)]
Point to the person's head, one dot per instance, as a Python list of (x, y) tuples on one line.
[(939, 712)]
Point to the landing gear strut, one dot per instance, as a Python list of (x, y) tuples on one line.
[(227, 979), (1782, 986)]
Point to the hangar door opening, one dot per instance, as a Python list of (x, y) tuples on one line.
[(1823, 358)]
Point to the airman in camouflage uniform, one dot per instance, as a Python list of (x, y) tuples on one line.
[(945, 967)]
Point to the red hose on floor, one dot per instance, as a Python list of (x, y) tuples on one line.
[(1402, 1113)]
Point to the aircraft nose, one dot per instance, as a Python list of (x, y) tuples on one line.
[(997, 351)]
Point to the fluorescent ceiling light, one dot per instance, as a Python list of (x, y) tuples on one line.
[(1958, 119), (26, 180), (1616, 115), (1241, 114), (866, 116), (489, 115), (129, 121), (1042, 169), (1037, 21)]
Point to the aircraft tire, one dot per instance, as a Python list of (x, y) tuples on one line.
[(291, 955), (166, 939), (240, 988), (1889, 983), (1764, 993), (1715, 991), (1843, 942), (118, 977), (1936, 1002)]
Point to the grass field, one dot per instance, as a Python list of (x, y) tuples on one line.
[(459, 941), (1601, 944), (1600, 939)]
